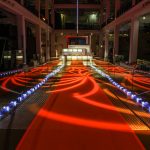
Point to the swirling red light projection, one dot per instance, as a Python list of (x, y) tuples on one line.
[(78, 115), (139, 81), (25, 80)]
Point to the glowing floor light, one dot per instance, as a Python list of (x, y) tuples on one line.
[(4, 74), (14, 103), (133, 96)]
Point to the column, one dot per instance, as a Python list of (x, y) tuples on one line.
[(47, 45), (106, 46), (53, 51), (37, 7), (22, 37), (133, 2), (50, 45), (90, 42), (116, 40), (47, 10), (107, 9), (134, 40), (22, 2), (52, 14), (117, 7), (102, 18), (38, 41), (101, 46)]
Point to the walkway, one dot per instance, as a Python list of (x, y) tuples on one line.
[(78, 116)]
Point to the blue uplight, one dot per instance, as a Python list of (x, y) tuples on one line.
[(12, 105), (10, 72), (126, 91)]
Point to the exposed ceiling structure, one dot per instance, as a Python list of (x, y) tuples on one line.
[(74, 1)]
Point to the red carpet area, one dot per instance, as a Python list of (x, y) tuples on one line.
[(78, 116)]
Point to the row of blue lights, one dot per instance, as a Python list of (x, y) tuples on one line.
[(14, 103), (4, 74), (133, 96)]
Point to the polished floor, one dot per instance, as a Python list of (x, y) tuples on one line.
[(79, 115)]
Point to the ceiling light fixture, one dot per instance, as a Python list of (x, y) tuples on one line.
[(143, 17)]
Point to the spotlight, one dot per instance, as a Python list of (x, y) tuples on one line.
[(6, 109), (145, 104), (24, 95), (12, 104), (133, 96), (138, 100), (128, 93), (143, 17), (19, 99), (125, 90)]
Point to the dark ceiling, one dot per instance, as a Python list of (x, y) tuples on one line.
[(75, 1)]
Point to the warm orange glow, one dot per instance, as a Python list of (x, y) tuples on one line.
[(69, 88), (25, 79), (139, 81), (68, 83), (121, 98), (77, 110), (121, 127)]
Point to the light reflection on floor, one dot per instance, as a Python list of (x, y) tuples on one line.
[(78, 104)]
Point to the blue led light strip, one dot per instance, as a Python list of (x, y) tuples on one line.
[(4, 74), (133, 96), (14, 103)]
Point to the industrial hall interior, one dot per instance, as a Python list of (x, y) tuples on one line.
[(74, 74)]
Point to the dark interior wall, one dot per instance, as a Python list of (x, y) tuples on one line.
[(30, 42), (58, 24), (8, 40), (124, 45), (9, 32), (43, 46), (144, 42), (124, 41), (66, 19)]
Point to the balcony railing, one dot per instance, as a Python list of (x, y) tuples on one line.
[(74, 2), (72, 26)]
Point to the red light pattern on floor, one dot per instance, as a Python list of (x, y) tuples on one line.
[(78, 115), (22, 79), (138, 80)]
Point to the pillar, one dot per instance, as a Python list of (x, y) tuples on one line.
[(134, 40), (22, 2), (37, 7), (53, 51), (48, 45), (107, 9), (22, 37), (133, 2), (38, 41), (116, 40), (52, 14), (106, 45), (101, 45), (90, 42), (47, 10), (117, 7)]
